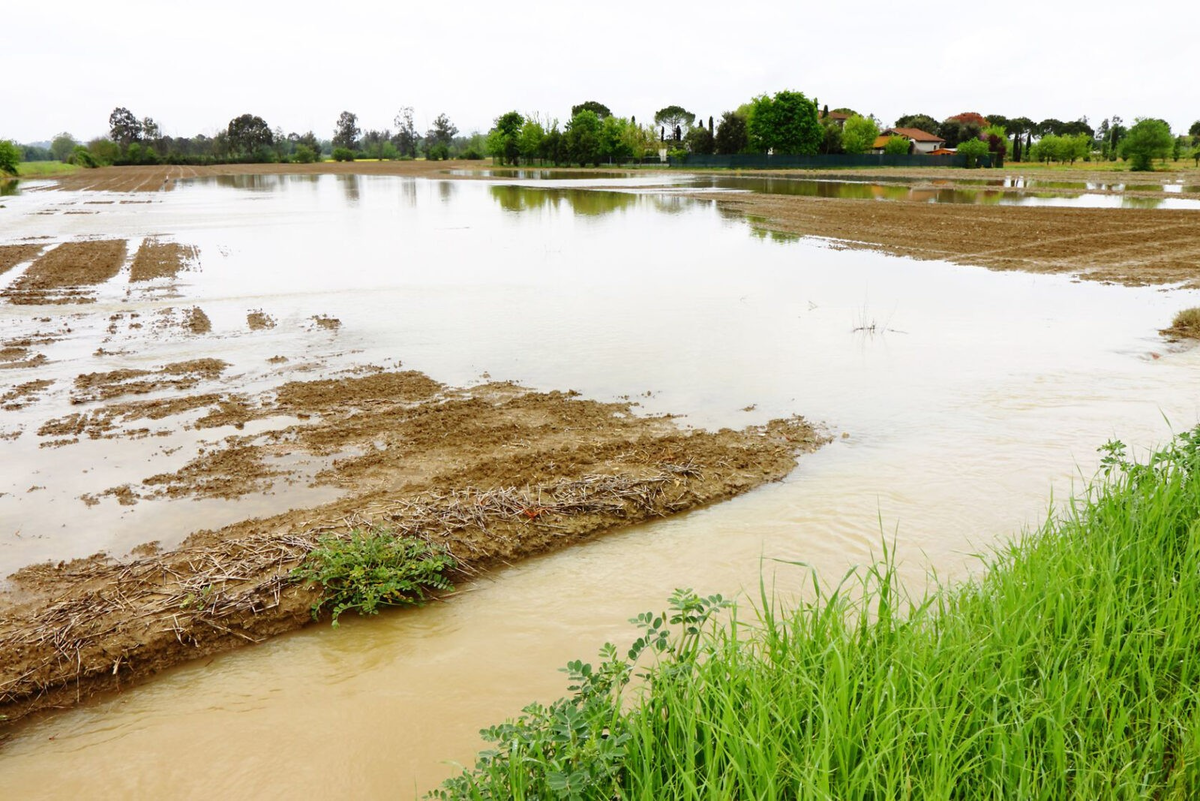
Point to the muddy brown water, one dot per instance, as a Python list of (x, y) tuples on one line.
[(971, 399)]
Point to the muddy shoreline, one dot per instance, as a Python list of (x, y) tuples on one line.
[(494, 473)]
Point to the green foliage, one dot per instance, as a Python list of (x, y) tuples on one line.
[(440, 137), (530, 140), (583, 138), (248, 134), (10, 157), (973, 149), (503, 142), (784, 124), (673, 117), (731, 136), (1148, 139), (859, 134), (599, 109), (1065, 149), (897, 146), (576, 747), (303, 154), (372, 569), (104, 151), (346, 131), (62, 146), (832, 141), (1067, 670), (700, 141), (922, 122), (343, 154), (124, 127), (81, 156)]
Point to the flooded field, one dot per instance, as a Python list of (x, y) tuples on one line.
[(969, 401)]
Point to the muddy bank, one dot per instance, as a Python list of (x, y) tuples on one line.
[(1135, 247), (495, 473)]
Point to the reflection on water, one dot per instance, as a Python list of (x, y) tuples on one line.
[(584, 202), (537, 174), (985, 394), (857, 190)]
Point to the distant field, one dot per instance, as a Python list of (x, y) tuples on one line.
[(34, 169)]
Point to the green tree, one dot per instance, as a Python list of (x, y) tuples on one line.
[(346, 132), (897, 146), (859, 134), (731, 134), (530, 139), (10, 157), (973, 149), (406, 138), (583, 138), (922, 122), (599, 109), (62, 146), (784, 124), (614, 143), (503, 142), (439, 137), (123, 127), (104, 150), (248, 134), (1195, 129), (700, 141), (374, 142), (673, 117), (1147, 140)]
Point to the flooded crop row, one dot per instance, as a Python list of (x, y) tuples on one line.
[(962, 402)]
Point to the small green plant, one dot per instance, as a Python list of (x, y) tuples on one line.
[(343, 154), (370, 569), (576, 747)]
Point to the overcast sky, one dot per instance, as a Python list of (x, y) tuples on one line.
[(193, 67)]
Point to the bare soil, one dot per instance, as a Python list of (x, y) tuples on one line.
[(494, 473), (58, 276), (258, 320), (1128, 246), (12, 255), (157, 259)]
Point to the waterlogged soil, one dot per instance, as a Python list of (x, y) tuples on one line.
[(157, 259), (62, 275), (493, 473), (1135, 247)]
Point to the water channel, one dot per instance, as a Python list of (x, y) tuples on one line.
[(971, 400)]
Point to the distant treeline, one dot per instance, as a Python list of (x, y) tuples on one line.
[(786, 123)]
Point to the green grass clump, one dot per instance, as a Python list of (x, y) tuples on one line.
[(370, 569), (1070, 669)]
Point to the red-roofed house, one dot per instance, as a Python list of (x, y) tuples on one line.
[(922, 142)]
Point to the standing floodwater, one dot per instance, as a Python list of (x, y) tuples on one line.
[(968, 397)]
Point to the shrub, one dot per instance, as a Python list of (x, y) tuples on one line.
[(81, 156), (897, 146), (10, 157), (372, 569), (304, 155), (438, 152), (471, 154), (973, 149), (343, 154)]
